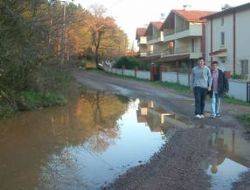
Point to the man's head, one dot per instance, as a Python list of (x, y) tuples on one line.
[(202, 62), (214, 65)]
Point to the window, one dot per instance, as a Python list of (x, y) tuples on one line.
[(222, 38), (193, 45), (222, 60), (222, 21), (244, 67)]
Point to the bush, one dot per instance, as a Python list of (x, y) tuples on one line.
[(5, 109), (131, 63)]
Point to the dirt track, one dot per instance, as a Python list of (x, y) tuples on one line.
[(179, 164)]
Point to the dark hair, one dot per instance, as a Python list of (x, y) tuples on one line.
[(202, 58), (214, 62)]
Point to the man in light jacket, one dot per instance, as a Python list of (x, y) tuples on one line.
[(201, 82)]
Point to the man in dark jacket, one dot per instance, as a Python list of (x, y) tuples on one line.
[(219, 88)]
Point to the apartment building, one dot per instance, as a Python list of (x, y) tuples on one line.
[(178, 41), (154, 36), (142, 41), (183, 42), (227, 39)]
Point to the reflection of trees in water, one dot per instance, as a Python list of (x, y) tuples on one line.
[(104, 111), (28, 139)]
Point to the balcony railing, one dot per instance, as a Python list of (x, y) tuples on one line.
[(181, 51), (192, 30), (155, 39)]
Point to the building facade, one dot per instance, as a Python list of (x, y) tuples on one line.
[(183, 37), (227, 39), (142, 41), (178, 41)]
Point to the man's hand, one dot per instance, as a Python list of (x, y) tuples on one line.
[(209, 89)]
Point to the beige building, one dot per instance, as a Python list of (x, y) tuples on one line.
[(154, 38), (183, 37), (177, 42), (227, 39), (142, 41)]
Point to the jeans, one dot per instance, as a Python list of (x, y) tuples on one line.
[(200, 97), (215, 104)]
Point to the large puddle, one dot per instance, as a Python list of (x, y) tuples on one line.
[(97, 137), (230, 159), (81, 146)]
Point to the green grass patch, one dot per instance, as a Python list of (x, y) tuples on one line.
[(231, 100), (175, 86), (30, 100), (245, 120)]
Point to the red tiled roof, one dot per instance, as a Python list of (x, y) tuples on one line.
[(157, 24), (140, 32), (192, 15)]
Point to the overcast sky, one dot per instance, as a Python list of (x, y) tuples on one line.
[(131, 14)]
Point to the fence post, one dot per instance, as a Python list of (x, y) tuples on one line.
[(189, 73), (177, 72), (123, 70), (136, 72), (248, 92), (161, 68)]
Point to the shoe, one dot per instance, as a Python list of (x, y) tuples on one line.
[(212, 116), (197, 116), (218, 115), (202, 116)]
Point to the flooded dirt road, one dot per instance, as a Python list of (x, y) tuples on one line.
[(121, 134), (203, 154)]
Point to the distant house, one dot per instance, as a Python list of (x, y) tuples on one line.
[(227, 39), (154, 40), (141, 41), (183, 42)]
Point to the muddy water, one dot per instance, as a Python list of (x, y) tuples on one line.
[(80, 146), (230, 159)]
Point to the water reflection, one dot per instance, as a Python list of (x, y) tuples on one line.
[(153, 115), (231, 157), (83, 145)]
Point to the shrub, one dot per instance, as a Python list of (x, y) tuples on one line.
[(131, 63)]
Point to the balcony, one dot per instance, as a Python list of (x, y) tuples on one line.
[(154, 54), (143, 40), (156, 39), (143, 54), (181, 51), (193, 30)]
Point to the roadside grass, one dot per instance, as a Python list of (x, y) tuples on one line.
[(49, 86), (31, 100), (231, 100), (175, 86), (245, 120)]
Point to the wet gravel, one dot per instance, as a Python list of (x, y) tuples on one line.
[(176, 166)]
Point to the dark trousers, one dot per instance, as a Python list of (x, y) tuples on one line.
[(200, 97)]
